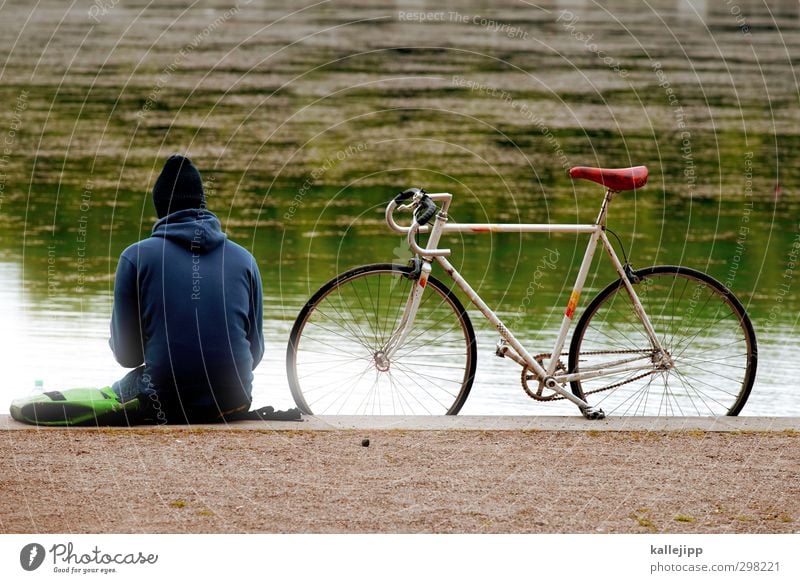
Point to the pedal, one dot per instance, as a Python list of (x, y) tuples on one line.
[(593, 413)]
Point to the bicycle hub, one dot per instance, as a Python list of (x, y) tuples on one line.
[(381, 361)]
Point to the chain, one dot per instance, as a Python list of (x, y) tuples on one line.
[(556, 397)]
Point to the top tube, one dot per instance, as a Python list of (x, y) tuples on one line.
[(446, 198)]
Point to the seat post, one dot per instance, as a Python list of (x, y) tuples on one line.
[(601, 218)]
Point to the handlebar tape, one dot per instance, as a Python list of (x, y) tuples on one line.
[(426, 211), (407, 194)]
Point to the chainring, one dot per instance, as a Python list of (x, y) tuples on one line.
[(539, 394)]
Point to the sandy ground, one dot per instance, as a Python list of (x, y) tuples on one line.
[(195, 480)]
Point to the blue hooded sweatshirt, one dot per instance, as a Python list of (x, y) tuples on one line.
[(188, 304)]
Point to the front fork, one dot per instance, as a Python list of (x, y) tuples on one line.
[(409, 313)]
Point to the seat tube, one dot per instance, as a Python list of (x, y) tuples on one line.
[(574, 297)]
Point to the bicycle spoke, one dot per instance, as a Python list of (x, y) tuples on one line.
[(412, 379), (717, 374), (412, 372), (698, 391), (348, 338), (337, 348)]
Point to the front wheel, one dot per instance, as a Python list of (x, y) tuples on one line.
[(711, 355), (340, 360)]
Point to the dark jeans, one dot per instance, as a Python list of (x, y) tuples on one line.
[(163, 407)]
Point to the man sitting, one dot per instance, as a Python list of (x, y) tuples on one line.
[(187, 310)]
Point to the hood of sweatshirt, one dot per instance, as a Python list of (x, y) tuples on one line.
[(198, 230)]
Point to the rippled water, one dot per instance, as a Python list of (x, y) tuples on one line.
[(304, 129)]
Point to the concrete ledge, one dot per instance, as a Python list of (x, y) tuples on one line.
[(470, 423)]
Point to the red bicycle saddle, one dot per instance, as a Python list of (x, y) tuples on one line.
[(613, 178)]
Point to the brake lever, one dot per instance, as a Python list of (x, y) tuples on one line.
[(417, 195), (414, 193)]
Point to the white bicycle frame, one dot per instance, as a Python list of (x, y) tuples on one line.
[(658, 359)]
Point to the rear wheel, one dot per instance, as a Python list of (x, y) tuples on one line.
[(336, 362), (704, 329)]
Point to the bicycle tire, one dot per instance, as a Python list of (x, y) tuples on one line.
[(716, 327), (419, 385)]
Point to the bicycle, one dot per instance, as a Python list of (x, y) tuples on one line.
[(393, 339)]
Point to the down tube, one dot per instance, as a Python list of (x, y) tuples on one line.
[(505, 332)]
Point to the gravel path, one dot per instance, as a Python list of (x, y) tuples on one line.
[(198, 480)]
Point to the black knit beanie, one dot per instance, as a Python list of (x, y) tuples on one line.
[(178, 187)]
